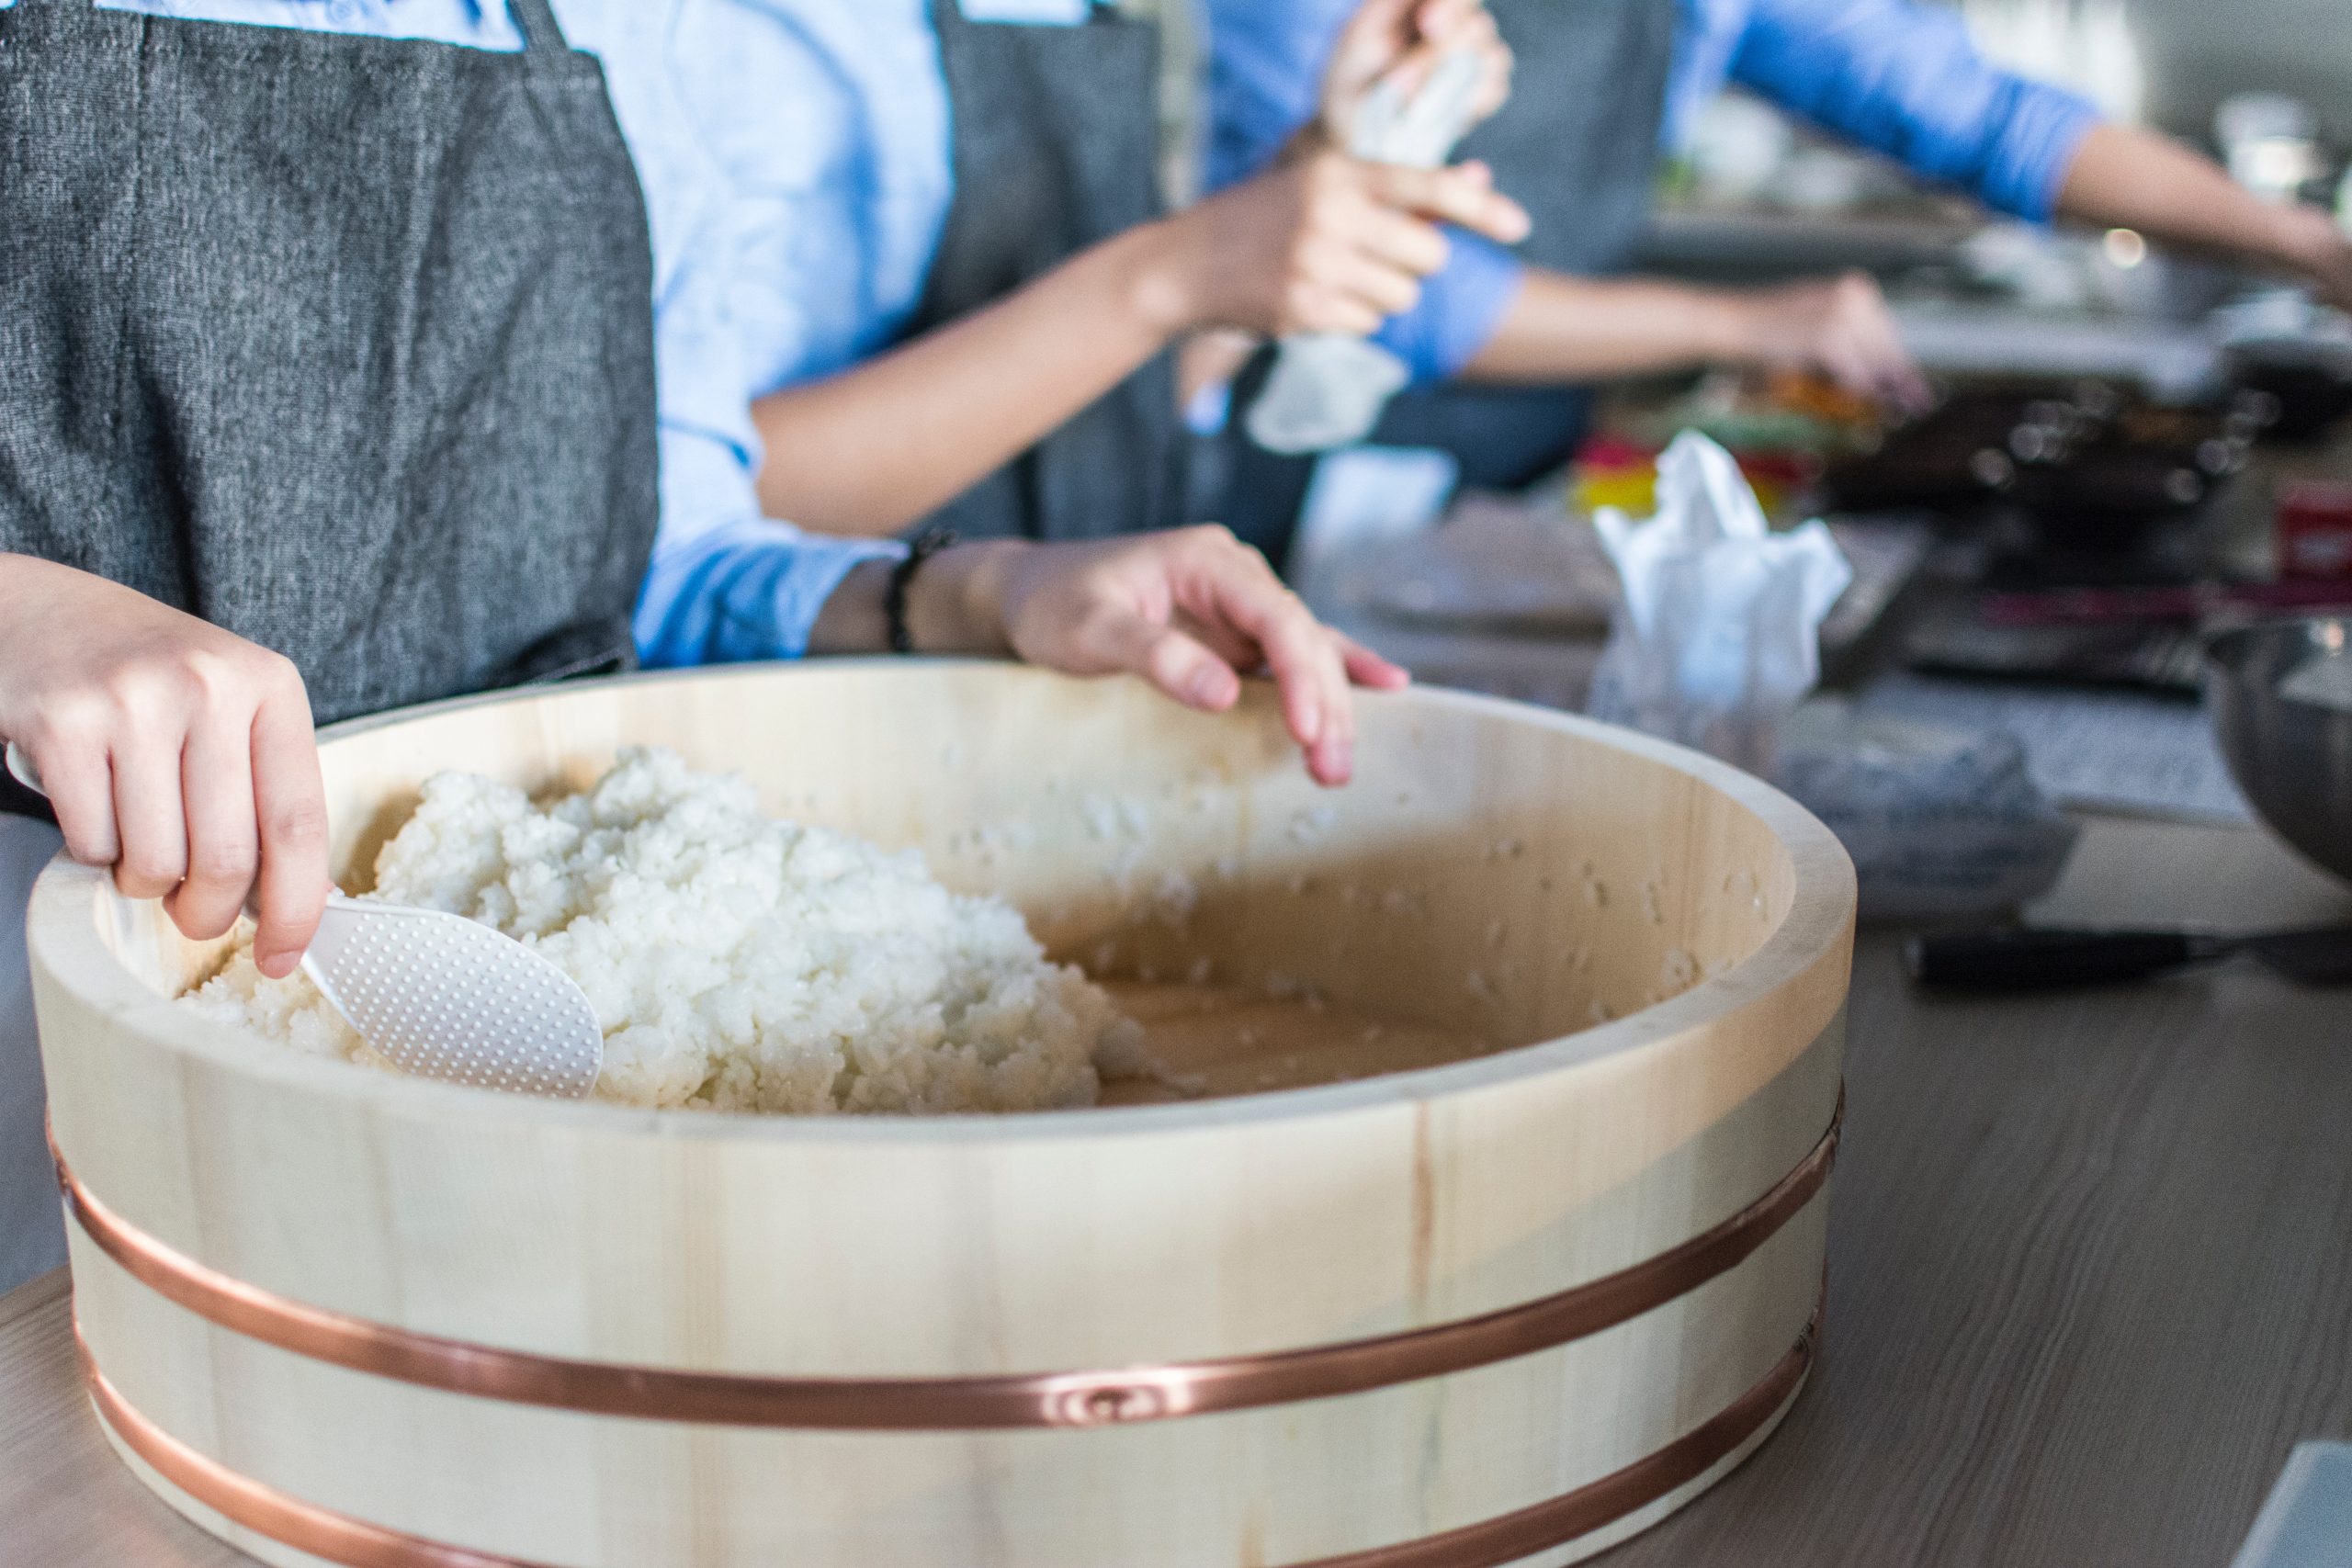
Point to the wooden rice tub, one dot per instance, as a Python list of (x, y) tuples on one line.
[(1510, 1307)]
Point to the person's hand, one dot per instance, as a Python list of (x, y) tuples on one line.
[(1321, 243), (1191, 611), (171, 751), (1401, 42), (1841, 329)]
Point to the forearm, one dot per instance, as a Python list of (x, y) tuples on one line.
[(954, 603), (874, 448), (2126, 178), (1560, 328)]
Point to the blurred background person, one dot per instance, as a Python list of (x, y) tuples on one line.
[(1603, 88), (971, 282)]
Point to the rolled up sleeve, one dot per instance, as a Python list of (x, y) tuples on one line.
[(1461, 308), (728, 585), (1905, 80)]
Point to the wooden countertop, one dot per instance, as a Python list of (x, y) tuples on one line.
[(2090, 1274)]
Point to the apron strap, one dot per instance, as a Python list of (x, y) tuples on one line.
[(540, 33)]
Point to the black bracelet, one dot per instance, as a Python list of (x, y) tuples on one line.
[(927, 544)]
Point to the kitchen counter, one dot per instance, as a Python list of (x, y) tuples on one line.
[(2090, 1272)]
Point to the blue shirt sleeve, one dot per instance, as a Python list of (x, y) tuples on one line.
[(1904, 79), (1265, 76), (728, 585), (1461, 308)]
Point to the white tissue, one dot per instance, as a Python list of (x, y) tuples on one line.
[(1718, 635), (1326, 389)]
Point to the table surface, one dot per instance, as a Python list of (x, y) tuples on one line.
[(2090, 1272)]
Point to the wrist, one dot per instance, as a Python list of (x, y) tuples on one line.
[(1163, 276), (1311, 140), (2307, 240), (1726, 328), (957, 602)]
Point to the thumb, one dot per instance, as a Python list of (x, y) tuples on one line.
[(1176, 662), (1463, 194)]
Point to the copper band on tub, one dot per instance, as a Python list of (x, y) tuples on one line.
[(339, 1538), (951, 1403)]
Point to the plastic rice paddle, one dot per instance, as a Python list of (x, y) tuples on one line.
[(443, 996)]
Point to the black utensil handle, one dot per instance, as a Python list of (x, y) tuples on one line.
[(2021, 958)]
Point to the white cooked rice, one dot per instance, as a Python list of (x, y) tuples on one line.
[(736, 962)]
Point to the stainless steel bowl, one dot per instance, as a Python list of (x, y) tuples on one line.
[(2292, 757)]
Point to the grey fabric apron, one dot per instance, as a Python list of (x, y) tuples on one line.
[(1577, 145), (1056, 149), (344, 344)]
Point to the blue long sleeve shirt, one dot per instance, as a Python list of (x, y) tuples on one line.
[(719, 141), (1895, 76)]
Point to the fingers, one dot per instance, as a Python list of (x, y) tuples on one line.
[(1189, 609), (147, 812), (1455, 27), (1110, 631), (174, 751), (1300, 654), (1866, 353), (1185, 670), (1368, 281), (1366, 667), (1368, 44), (223, 845), (1464, 194), (1314, 308), (79, 781), (289, 803), (1412, 247), (1356, 261)]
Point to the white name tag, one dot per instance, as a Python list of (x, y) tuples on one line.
[(1033, 13)]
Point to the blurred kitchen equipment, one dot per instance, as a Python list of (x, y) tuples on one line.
[(2094, 607), (1958, 639), (443, 996), (2093, 465), (2034, 957), (2270, 142), (2312, 531), (2020, 958), (2280, 696), (1736, 148), (2281, 343), (1941, 823), (2173, 359), (2092, 46), (2149, 635)]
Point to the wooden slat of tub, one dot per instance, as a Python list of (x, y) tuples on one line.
[(2088, 1277)]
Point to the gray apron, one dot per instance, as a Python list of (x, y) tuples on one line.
[(1057, 143), (343, 344), (1577, 145)]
